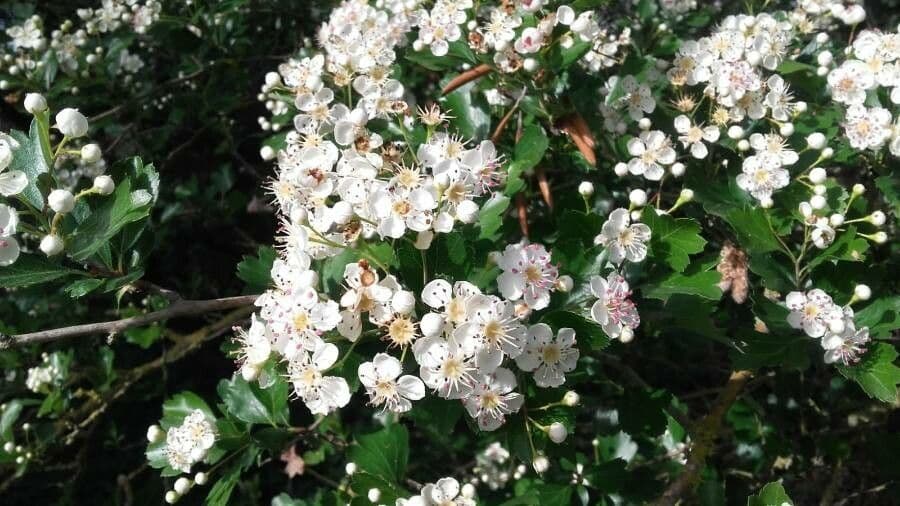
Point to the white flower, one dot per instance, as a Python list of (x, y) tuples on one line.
[(813, 311), (189, 443), (624, 240), (501, 29), (321, 394), (493, 324), (530, 41), (437, 32), (14, 181), (849, 82), (651, 151), (867, 128), (301, 318), (778, 98), (396, 210), (613, 309), (527, 274), (762, 175), (453, 303), (638, 98), (692, 136), (822, 234), (255, 343), (444, 493), (548, 357), (775, 145), (847, 346), (71, 123), (446, 368), (493, 398), (384, 385)]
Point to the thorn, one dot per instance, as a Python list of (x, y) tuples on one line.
[(467, 77)]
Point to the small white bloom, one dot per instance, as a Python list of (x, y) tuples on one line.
[(812, 311), (548, 357), (385, 387), (51, 245), (528, 274), (613, 309), (35, 103), (493, 398), (624, 240)]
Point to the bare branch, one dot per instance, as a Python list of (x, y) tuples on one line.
[(176, 309), (705, 436)]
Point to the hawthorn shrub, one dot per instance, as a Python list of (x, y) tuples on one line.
[(503, 253)]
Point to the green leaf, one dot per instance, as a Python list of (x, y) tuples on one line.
[(32, 159), (8, 419), (673, 240), (180, 406), (562, 57), (130, 202), (383, 453), (32, 269), (469, 114), (848, 246), (772, 494), (586, 330), (256, 271), (250, 403), (699, 279), (490, 218), (220, 492), (82, 287), (531, 147), (876, 372), (890, 190), (882, 316), (752, 229)]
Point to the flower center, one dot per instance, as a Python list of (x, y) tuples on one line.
[(401, 331), (301, 322), (533, 274), (551, 354), (626, 237), (402, 207), (456, 310)]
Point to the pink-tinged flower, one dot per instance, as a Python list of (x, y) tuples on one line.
[(550, 358), (496, 330), (814, 312), (527, 274), (614, 311), (847, 345), (493, 398), (446, 368)]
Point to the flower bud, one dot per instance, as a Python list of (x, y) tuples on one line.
[(51, 245), (819, 189), (818, 175), (350, 468), (827, 153), (836, 220), (540, 464), (824, 58), (586, 188), (786, 129), (858, 189), (557, 432), (35, 103), (61, 201), (806, 209), (530, 65), (877, 218), (879, 237), (743, 145), (104, 185), (636, 215), (155, 434), (817, 202), (90, 153), (71, 123), (8, 447), (644, 123), (172, 497), (267, 153), (862, 292), (626, 336), (816, 140), (182, 486), (677, 169), (201, 478), (800, 106), (272, 79), (686, 195), (571, 398), (373, 495), (565, 15), (637, 197), (735, 132), (620, 169), (468, 491)]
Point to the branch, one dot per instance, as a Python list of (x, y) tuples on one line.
[(705, 436), (632, 376), (176, 309)]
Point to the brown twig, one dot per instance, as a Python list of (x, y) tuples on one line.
[(577, 128), (705, 435), (467, 77), (176, 309)]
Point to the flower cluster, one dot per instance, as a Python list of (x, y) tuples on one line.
[(817, 314), (61, 200), (77, 47), (42, 377), (188, 443)]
